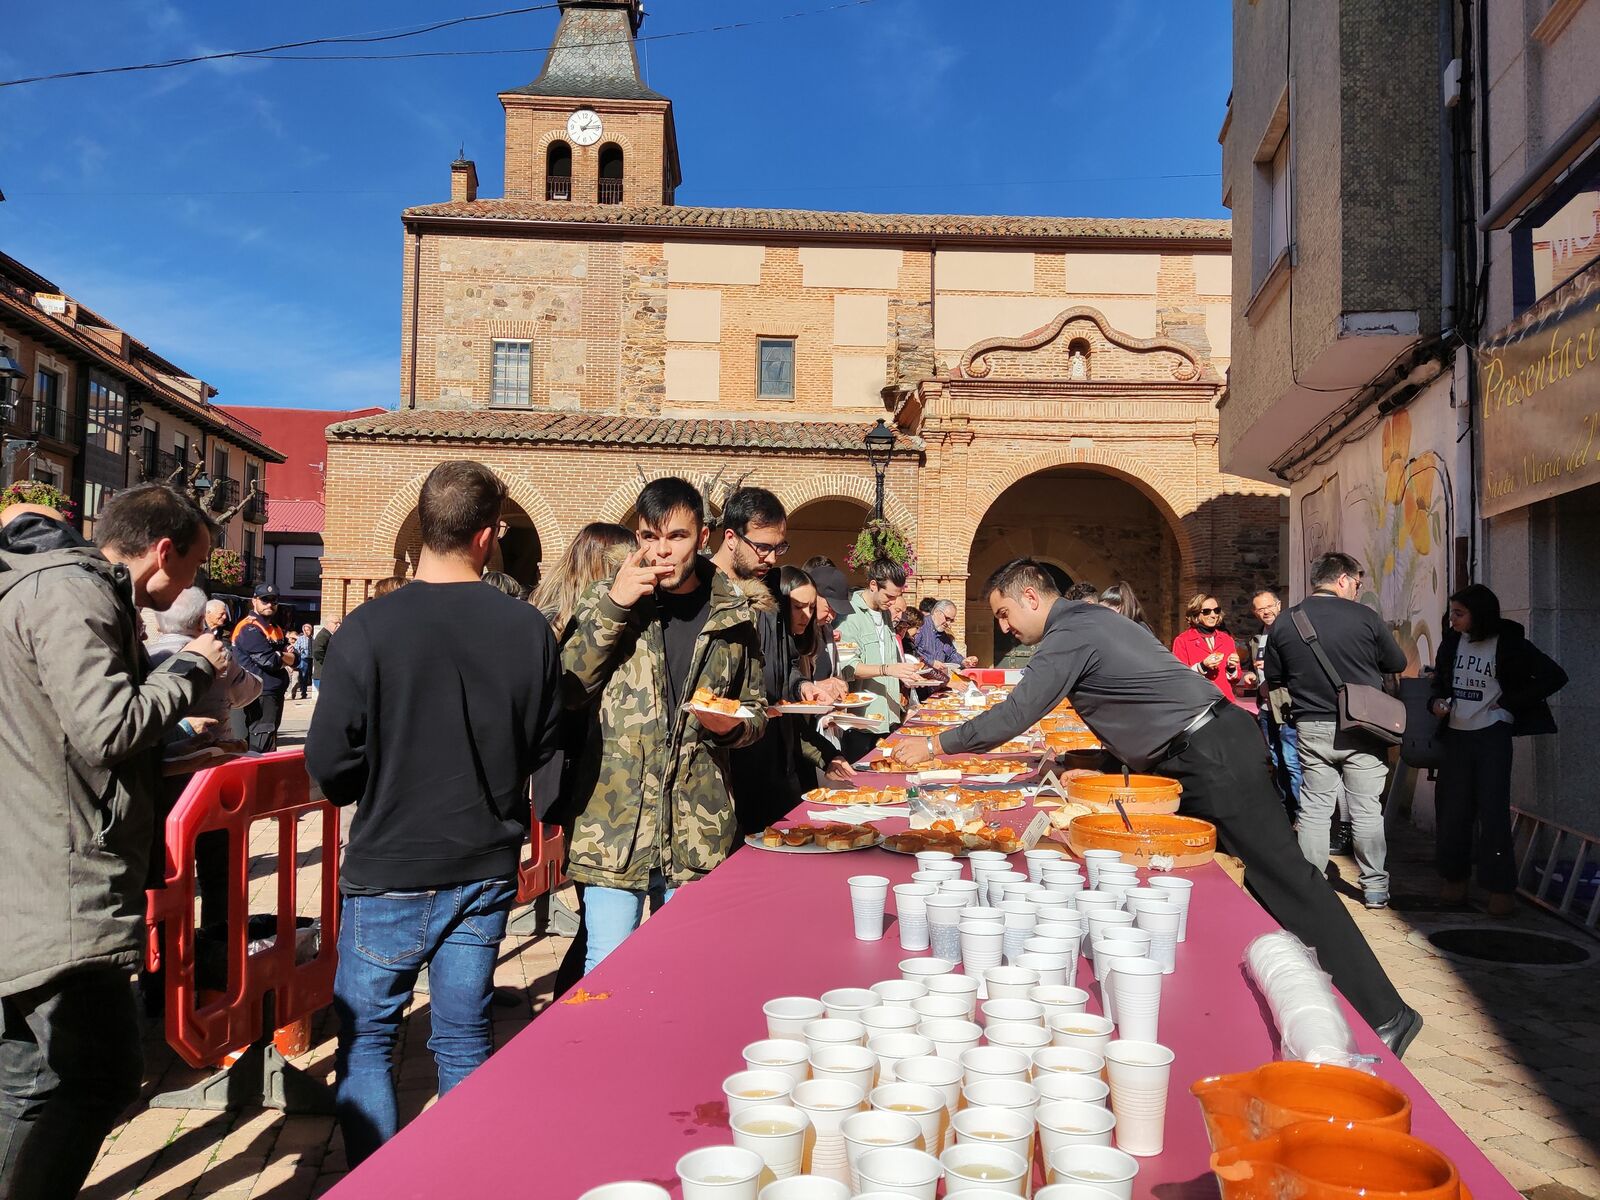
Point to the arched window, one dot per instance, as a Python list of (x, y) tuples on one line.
[(1078, 360), (611, 173), (558, 172)]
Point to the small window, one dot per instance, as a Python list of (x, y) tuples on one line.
[(610, 174), (45, 470), (775, 377), (107, 407), (1278, 183), (1559, 238), (512, 366), (307, 574), (180, 447), (95, 496), (558, 172), (219, 464)]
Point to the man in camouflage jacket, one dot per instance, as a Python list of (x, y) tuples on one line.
[(653, 806)]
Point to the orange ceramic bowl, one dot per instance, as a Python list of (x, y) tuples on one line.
[(1326, 1160), (1254, 1104), (1140, 794), (1189, 841)]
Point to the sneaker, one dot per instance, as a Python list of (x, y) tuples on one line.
[(1342, 841), (1376, 900)]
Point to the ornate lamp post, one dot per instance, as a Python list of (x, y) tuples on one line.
[(880, 449)]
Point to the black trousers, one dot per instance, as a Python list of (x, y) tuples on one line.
[(264, 715), (70, 1063), (1227, 780), (1473, 798), (302, 683)]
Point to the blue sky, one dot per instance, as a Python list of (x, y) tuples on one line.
[(243, 217)]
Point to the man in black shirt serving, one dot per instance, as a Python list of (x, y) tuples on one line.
[(1155, 715)]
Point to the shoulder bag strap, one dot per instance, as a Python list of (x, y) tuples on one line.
[(1308, 632)]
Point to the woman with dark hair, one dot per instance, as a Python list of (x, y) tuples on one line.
[(1119, 597), (1490, 684), (1206, 647)]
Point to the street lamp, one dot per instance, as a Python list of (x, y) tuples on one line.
[(880, 449)]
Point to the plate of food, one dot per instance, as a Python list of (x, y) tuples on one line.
[(814, 839), (706, 701), (959, 840), (843, 797), (855, 700), (799, 708), (845, 720)]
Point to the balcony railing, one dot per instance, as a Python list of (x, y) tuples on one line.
[(558, 187), (157, 466), (255, 509), (224, 493), (611, 191), (255, 571), (58, 424)]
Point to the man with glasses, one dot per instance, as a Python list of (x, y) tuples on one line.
[(753, 527), (1332, 762), (936, 640), (876, 666), (1282, 738)]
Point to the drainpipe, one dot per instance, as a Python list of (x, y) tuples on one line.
[(416, 307)]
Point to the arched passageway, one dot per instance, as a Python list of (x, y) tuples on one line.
[(828, 528), (519, 552)]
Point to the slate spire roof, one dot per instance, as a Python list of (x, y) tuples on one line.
[(593, 54)]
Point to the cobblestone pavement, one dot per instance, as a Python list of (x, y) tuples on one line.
[(1512, 1053)]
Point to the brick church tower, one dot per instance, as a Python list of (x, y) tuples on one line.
[(588, 130)]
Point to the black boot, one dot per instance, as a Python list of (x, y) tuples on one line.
[(1342, 840), (1398, 1032)]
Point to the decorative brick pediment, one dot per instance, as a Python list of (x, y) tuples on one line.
[(1080, 346)]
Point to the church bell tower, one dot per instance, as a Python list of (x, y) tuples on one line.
[(587, 130)]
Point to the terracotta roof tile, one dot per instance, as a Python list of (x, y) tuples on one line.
[(498, 425), (796, 220), (295, 516)]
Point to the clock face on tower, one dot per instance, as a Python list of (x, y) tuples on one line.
[(583, 127)]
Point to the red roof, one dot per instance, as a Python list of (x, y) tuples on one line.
[(298, 433), (295, 516)]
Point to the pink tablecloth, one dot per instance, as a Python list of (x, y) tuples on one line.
[(620, 1088)]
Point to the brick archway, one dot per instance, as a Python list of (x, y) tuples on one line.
[(854, 488), (403, 503)]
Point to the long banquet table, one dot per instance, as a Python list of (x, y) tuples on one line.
[(620, 1088)]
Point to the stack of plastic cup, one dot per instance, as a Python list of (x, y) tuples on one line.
[(1136, 983), (943, 1075), (1104, 953), (1036, 860), (871, 1130), (1139, 1072), (960, 986), (972, 1166), (852, 1064), (910, 907), (1083, 1031), (774, 1131), (1019, 918), (1129, 934), (721, 1173), (787, 1015), (943, 912), (867, 895), (1159, 918), (1072, 1123), (980, 948), (1089, 903), (1182, 889), (899, 1171), (827, 1102), (1092, 860), (951, 1036), (747, 1089)]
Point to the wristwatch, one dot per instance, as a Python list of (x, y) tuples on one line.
[(933, 750)]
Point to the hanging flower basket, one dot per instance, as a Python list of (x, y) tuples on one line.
[(225, 568), (880, 539), (31, 491)]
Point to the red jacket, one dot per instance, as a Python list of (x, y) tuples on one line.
[(1191, 649)]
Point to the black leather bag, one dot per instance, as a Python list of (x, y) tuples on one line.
[(1362, 707)]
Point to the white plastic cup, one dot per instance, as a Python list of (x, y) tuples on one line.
[(721, 1173), (1081, 1030), (899, 993), (957, 985), (942, 1007), (1012, 1010), (749, 1089), (1072, 1123), (867, 896), (980, 949), (1104, 954), (777, 1132), (1010, 983), (1182, 893), (892, 1047), (827, 1102), (951, 1037), (1064, 1085), (1036, 861), (833, 1031), (976, 913), (1160, 919), (927, 858), (945, 941), (924, 970), (1066, 1060), (1137, 897), (852, 1064), (943, 1075), (1017, 1095), (1100, 1166), (787, 1015), (1139, 1073), (1130, 933), (809, 1187), (1120, 871), (1100, 920), (787, 1056), (923, 1104), (1049, 967), (1089, 903), (942, 872), (989, 857), (1026, 1038), (874, 1130), (1004, 1127), (1062, 1191), (886, 1019), (994, 1062), (899, 1171), (961, 887), (627, 1189), (911, 913), (1092, 860), (849, 1003), (972, 1166), (1059, 998), (1136, 983), (930, 877)]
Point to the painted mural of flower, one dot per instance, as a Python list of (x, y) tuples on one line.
[(1416, 511), (1396, 454)]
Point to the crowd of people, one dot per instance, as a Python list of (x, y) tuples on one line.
[(634, 698)]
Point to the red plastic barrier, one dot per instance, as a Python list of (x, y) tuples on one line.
[(203, 1027), (542, 873), (988, 676)]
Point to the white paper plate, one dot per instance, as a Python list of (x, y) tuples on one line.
[(798, 709), (744, 714), (754, 840), (853, 703), (854, 721)]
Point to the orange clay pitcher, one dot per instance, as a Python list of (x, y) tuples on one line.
[(1253, 1104), (1326, 1160)]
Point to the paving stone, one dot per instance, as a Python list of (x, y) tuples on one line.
[(1533, 1152), (1519, 1174), (1535, 1126), (1585, 1150), (1584, 1179)]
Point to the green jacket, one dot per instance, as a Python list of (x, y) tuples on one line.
[(875, 643), (652, 787)]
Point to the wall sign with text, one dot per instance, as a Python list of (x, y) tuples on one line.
[(1539, 400)]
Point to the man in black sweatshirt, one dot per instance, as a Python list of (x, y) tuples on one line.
[(1155, 714), (438, 703)]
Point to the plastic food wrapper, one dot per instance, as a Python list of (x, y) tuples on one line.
[(1311, 1027), (928, 807)]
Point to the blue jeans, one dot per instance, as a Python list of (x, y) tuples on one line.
[(611, 914), (384, 941), (1284, 743)]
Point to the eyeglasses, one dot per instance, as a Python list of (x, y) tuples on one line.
[(765, 549), (1209, 612)]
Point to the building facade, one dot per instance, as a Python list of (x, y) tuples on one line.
[(1052, 381), (1410, 338), (92, 411)]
